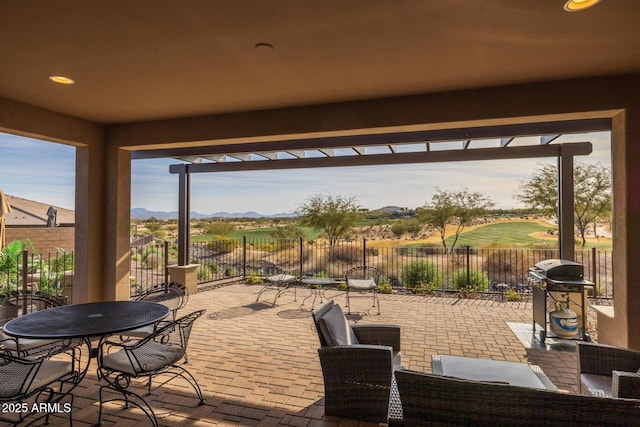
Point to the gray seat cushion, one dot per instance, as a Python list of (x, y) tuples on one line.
[(335, 328), (362, 284), (597, 385), (146, 358), (281, 278)]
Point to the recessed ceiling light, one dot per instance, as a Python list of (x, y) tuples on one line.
[(62, 80), (578, 5), (264, 47)]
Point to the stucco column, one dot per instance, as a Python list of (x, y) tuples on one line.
[(89, 249), (118, 224), (623, 329)]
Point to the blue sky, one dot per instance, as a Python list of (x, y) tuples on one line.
[(45, 172)]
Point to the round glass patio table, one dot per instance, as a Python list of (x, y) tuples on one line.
[(86, 320)]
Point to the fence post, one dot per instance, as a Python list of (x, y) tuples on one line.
[(244, 257), (166, 261), (25, 268), (594, 271), (364, 251), (300, 248), (468, 261)]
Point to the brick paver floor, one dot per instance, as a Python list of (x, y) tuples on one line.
[(257, 364)]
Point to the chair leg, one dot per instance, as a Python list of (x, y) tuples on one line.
[(348, 305), (126, 398)]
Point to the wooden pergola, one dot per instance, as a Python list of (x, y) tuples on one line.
[(387, 149)]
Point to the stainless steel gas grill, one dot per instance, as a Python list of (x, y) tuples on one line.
[(559, 282)]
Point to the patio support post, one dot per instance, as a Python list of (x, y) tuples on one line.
[(184, 191), (566, 204)]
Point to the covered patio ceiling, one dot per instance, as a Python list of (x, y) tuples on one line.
[(137, 61)]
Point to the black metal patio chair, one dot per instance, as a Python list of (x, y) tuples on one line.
[(279, 280), (28, 302), (45, 380), (158, 354), (172, 294), (362, 279)]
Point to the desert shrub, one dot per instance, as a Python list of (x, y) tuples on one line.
[(424, 288), (388, 269), (207, 270), (152, 256), (253, 280), (467, 292), (420, 271), (288, 232), (385, 288), (372, 251), (512, 295), (222, 245), (230, 271), (345, 253), (478, 280), (399, 228)]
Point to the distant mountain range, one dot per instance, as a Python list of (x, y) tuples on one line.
[(142, 213)]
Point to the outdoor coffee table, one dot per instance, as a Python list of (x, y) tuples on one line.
[(315, 285), (514, 373)]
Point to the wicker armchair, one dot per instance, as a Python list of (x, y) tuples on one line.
[(608, 371), (357, 366)]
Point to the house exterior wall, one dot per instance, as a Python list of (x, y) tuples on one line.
[(44, 239)]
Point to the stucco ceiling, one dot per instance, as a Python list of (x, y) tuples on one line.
[(145, 60)]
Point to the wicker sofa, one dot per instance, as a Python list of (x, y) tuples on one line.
[(608, 371), (429, 400)]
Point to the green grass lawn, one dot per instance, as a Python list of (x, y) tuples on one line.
[(515, 234), (504, 233), (257, 233)]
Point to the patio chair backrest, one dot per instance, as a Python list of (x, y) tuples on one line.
[(333, 327), (170, 340), (173, 295), (16, 375), (363, 273)]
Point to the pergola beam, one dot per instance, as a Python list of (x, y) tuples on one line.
[(564, 153), (532, 151), (348, 141)]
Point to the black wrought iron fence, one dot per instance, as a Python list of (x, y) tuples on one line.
[(25, 271), (421, 268)]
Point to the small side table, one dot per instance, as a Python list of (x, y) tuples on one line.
[(316, 286)]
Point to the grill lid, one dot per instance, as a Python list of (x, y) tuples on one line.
[(560, 269)]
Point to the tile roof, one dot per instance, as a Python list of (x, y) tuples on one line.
[(31, 213)]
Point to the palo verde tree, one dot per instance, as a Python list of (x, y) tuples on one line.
[(458, 208), (333, 215), (592, 194)]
